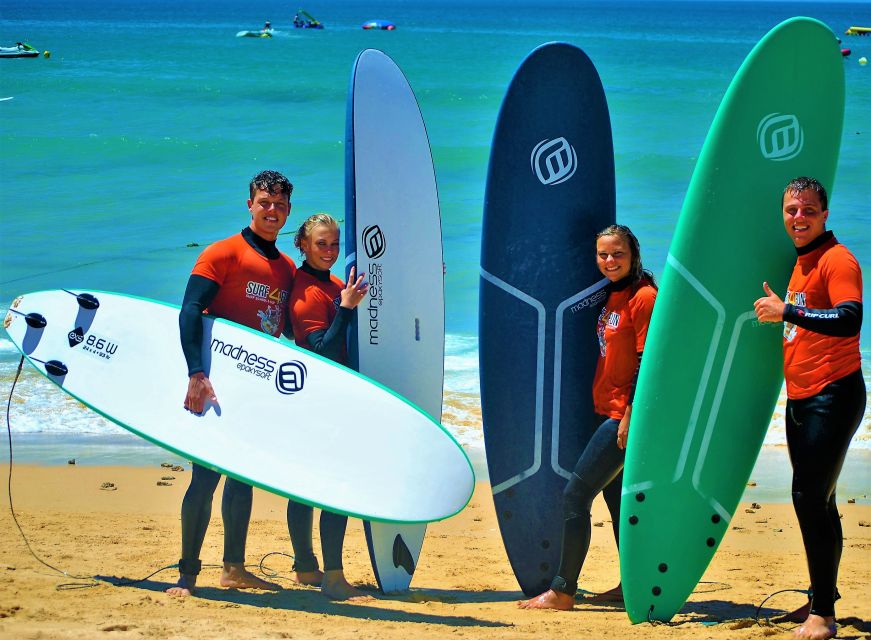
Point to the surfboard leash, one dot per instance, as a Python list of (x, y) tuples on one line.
[(769, 621), (12, 508), (86, 582)]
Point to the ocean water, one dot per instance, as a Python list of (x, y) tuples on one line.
[(137, 137)]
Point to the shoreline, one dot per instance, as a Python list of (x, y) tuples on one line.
[(772, 472), (463, 586)]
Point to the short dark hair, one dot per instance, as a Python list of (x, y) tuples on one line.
[(803, 183), (272, 182)]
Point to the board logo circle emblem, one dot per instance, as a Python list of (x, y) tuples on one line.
[(553, 161), (373, 241), (76, 337), (290, 377), (780, 137)]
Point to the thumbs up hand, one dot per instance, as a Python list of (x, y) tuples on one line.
[(770, 307)]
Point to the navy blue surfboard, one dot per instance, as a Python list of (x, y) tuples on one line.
[(550, 189)]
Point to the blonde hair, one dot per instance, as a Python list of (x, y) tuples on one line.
[(305, 229)]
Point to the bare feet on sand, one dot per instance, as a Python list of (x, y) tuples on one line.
[(309, 578), (799, 615), (614, 595), (184, 587), (550, 599), (236, 576), (337, 587), (817, 628)]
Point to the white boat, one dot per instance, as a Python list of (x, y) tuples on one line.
[(20, 50)]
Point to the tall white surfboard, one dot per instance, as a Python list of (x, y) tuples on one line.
[(281, 413), (394, 237)]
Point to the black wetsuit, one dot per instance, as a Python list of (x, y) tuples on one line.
[(331, 344), (196, 508), (819, 427)]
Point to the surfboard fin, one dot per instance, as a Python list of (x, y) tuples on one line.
[(402, 556)]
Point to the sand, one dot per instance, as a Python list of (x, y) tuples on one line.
[(463, 586)]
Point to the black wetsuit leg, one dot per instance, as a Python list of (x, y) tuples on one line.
[(333, 528), (599, 464), (818, 433), (196, 510), (299, 525), (613, 493), (236, 513)]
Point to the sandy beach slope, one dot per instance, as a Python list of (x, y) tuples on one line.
[(463, 586)]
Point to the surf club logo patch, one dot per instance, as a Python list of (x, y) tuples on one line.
[(553, 161), (290, 377), (270, 320), (799, 299), (607, 320), (264, 293), (780, 137), (374, 243)]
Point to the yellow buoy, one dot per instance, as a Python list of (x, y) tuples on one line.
[(46, 54), (863, 61)]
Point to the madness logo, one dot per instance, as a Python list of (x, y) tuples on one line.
[(590, 300), (291, 377), (780, 137), (376, 300), (374, 243), (553, 161), (263, 293), (246, 361)]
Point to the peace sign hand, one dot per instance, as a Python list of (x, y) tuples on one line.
[(354, 291)]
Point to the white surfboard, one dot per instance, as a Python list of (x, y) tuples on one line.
[(287, 421), (394, 237)]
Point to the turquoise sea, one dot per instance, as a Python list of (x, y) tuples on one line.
[(138, 135)]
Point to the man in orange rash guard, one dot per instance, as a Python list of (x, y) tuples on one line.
[(246, 279), (822, 316)]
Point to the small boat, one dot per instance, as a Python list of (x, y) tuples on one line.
[(305, 20), (858, 31), (20, 50), (263, 33), (384, 25)]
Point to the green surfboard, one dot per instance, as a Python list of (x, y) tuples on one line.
[(711, 374)]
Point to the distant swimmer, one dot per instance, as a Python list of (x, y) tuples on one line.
[(822, 317), (621, 331)]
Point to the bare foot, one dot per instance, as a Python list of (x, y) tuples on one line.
[(612, 595), (185, 586), (550, 599), (236, 576), (817, 628), (799, 615), (310, 578), (337, 587)]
